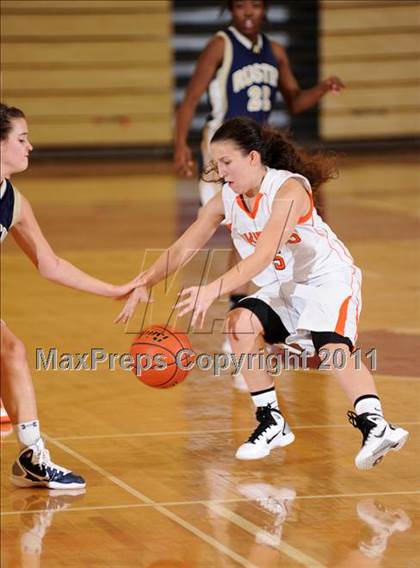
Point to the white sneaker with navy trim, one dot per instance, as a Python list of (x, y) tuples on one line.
[(379, 437), (34, 468), (272, 432)]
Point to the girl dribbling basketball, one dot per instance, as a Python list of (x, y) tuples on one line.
[(309, 288)]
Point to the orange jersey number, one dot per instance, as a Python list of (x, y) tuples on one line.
[(279, 263)]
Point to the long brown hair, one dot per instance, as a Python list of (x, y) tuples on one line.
[(277, 151), (7, 114)]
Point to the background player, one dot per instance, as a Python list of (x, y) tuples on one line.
[(33, 466), (243, 70), (309, 288)]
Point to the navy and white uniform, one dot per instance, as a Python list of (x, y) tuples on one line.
[(9, 208), (312, 283), (245, 84)]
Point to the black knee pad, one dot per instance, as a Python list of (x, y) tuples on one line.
[(321, 338), (274, 329)]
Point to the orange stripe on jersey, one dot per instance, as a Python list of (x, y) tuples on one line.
[(307, 215), (342, 316), (229, 227), (240, 201), (357, 325)]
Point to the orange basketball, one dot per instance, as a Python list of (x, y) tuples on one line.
[(162, 356)]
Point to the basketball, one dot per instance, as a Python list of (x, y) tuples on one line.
[(162, 356)]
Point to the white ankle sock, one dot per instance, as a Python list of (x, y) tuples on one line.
[(368, 403), (27, 433), (265, 397)]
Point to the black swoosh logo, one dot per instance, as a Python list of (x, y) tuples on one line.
[(271, 439), (381, 434)]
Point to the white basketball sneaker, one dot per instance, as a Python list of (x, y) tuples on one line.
[(272, 432), (383, 522), (379, 437)]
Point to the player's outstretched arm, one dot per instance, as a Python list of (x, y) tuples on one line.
[(28, 235), (208, 62), (179, 254), (298, 100)]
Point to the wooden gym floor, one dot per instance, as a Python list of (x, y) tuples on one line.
[(164, 489)]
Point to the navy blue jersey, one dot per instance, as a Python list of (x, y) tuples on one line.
[(9, 207), (246, 82)]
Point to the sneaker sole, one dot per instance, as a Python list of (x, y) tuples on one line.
[(25, 483), (375, 459), (284, 441)]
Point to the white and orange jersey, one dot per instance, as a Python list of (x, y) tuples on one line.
[(313, 250)]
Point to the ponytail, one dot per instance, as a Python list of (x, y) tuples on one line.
[(281, 153)]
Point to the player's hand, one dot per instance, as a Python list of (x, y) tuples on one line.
[(122, 291), (184, 163), (198, 300), (333, 84), (139, 294)]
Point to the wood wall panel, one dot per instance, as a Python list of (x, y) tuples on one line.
[(102, 132), (63, 80), (85, 25), (90, 72), (106, 105), (374, 48), (368, 16), (29, 54)]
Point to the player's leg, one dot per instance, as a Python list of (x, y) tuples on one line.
[(17, 391), (379, 436), (246, 328), (33, 466), (234, 298)]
